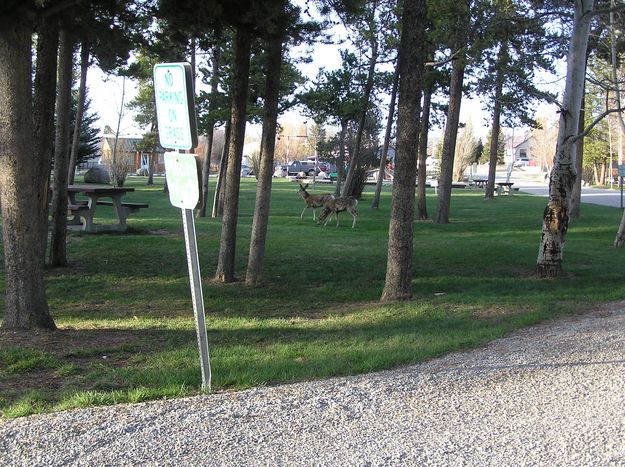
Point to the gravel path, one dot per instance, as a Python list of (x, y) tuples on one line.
[(550, 395)]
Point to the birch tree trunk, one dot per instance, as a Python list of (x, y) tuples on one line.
[(22, 190), (58, 253), (80, 106), (563, 174), (422, 208), (397, 285), (227, 241), (375, 203), (263, 187)]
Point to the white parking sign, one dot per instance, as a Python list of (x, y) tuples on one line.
[(175, 106)]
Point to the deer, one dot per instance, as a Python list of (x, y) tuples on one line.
[(313, 201), (336, 205)]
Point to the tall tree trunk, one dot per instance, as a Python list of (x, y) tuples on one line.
[(263, 187), (80, 107), (397, 285), (227, 241), (563, 174), (576, 193), (210, 129), (375, 203), (43, 114), (348, 186), (502, 60), (422, 156), (449, 141), (340, 164), (21, 186), (58, 254), (220, 185), (459, 41)]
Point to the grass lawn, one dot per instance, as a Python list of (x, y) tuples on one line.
[(126, 329)]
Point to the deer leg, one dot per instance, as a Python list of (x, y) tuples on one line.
[(354, 215), (328, 219), (337, 218), (301, 216), (314, 211)]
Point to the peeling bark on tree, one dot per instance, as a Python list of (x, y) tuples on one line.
[(563, 175)]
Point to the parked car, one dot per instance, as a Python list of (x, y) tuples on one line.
[(306, 167), (522, 161)]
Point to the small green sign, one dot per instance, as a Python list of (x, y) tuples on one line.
[(621, 170), (182, 179)]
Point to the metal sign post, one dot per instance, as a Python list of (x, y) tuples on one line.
[(193, 262), (175, 113), (184, 193)]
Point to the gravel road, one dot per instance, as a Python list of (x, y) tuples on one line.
[(550, 395)]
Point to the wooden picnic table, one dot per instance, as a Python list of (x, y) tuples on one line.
[(82, 212), (480, 182), (505, 187)]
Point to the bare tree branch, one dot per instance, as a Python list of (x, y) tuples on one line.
[(596, 121)]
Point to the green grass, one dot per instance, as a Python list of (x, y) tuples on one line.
[(126, 322)]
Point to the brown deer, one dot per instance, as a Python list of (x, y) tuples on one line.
[(313, 201), (337, 205)]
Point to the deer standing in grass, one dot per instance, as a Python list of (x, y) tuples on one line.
[(334, 206), (313, 201)]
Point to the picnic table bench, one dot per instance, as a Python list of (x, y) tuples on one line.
[(82, 212), (504, 187), (480, 182)]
